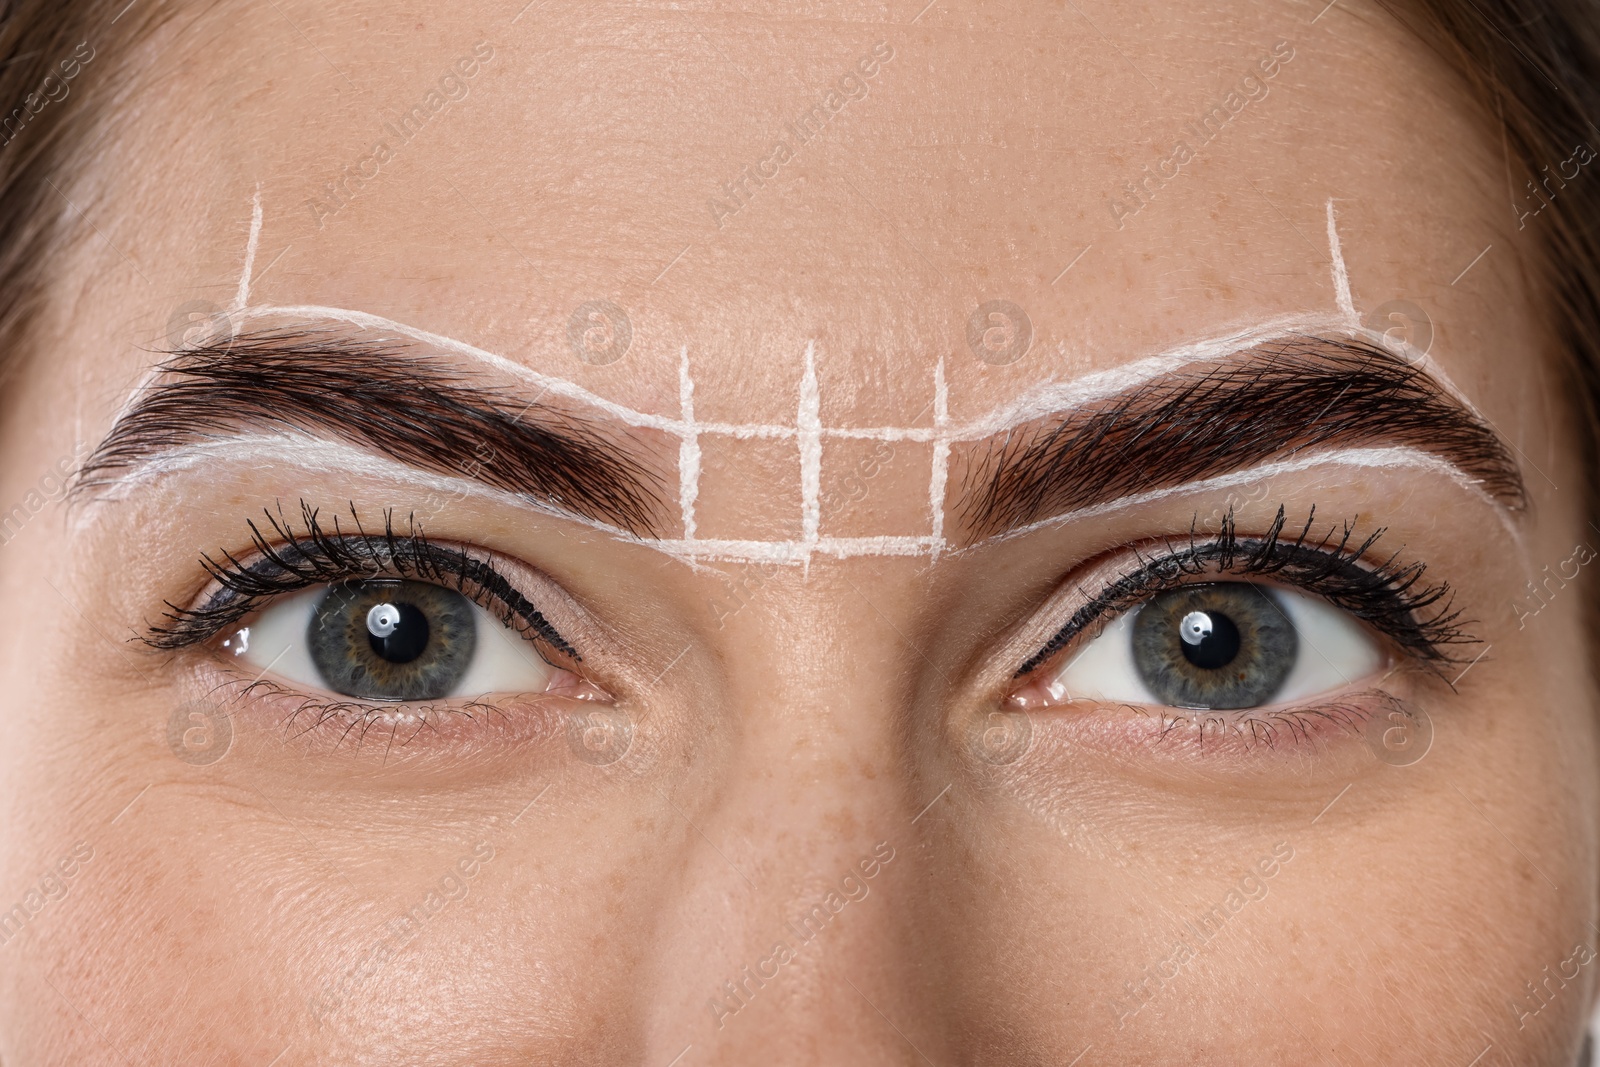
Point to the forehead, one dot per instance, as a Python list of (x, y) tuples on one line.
[(610, 193)]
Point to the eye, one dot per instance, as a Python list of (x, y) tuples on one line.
[(1220, 645), (390, 639)]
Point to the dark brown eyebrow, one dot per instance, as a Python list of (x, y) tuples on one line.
[(383, 394), (1269, 403)]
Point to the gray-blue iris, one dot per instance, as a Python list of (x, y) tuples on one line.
[(1219, 645), (392, 639)]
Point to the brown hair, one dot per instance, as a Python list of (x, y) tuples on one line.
[(1535, 69), (38, 136)]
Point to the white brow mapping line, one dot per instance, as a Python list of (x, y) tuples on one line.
[(808, 420), (1404, 350), (1056, 398), (1341, 276), (1387, 458), (688, 449), (304, 452), (1052, 399), (940, 477), (1048, 399), (548, 383), (242, 299), (334, 457), (240, 303)]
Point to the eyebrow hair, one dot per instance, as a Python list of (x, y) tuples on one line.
[(384, 395), (1272, 402)]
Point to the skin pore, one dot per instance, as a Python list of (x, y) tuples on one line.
[(783, 803)]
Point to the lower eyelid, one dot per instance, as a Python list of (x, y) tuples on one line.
[(1343, 728), (322, 724)]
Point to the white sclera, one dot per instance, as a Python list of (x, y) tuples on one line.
[(503, 661), (1335, 650)]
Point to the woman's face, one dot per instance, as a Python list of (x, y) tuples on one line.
[(871, 535)]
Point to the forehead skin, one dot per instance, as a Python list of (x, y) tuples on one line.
[(983, 161)]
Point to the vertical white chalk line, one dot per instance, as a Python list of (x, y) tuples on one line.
[(241, 300), (941, 454), (808, 423), (240, 304), (688, 449), (1341, 276)]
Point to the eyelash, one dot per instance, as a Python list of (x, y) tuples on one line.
[(287, 562), (1390, 596)]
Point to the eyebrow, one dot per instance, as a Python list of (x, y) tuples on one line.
[(1269, 403), (383, 395)]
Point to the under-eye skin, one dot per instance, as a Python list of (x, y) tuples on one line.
[(1198, 626), (372, 618)]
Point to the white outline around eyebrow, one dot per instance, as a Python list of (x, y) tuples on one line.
[(310, 453), (1379, 458), (1045, 400)]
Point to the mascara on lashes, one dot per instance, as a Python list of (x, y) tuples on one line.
[(1384, 596), (288, 562)]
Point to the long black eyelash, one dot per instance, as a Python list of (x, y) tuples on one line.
[(1389, 596), (287, 562)]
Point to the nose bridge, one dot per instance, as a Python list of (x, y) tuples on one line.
[(792, 935)]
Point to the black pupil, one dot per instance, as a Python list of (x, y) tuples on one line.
[(407, 638), (1209, 639)]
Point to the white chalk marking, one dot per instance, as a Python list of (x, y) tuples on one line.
[(1050, 399), (1391, 458), (241, 300), (1341, 276), (688, 449), (1057, 398), (300, 452), (941, 454), (808, 420)]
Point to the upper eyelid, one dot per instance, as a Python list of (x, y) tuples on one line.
[(1430, 638), (436, 562)]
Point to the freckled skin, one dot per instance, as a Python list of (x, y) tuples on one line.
[(287, 900)]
